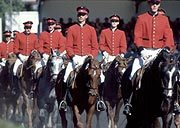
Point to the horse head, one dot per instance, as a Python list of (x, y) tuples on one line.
[(55, 64), (168, 69), (90, 73)]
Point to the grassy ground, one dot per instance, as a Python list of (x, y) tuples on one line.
[(6, 124)]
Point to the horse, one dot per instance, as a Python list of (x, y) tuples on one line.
[(27, 82), (82, 92), (153, 88), (177, 97), (46, 97), (10, 90), (112, 89)]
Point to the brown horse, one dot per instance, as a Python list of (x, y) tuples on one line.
[(83, 91), (10, 90), (112, 89), (26, 79)]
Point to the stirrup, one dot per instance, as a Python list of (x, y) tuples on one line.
[(100, 105), (31, 94), (63, 105), (127, 109)]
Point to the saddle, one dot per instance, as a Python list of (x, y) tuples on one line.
[(137, 78), (72, 77), (139, 74)]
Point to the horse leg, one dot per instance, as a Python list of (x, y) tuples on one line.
[(117, 111), (110, 115), (167, 121), (156, 123), (63, 118), (89, 116), (29, 111), (49, 123), (76, 117), (7, 111), (98, 121), (177, 120)]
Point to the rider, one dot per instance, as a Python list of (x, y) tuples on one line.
[(112, 43), (6, 47), (24, 43), (112, 40), (81, 41), (51, 39), (150, 35)]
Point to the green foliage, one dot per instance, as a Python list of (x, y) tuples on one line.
[(10, 5)]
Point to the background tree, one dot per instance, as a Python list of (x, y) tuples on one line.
[(9, 6)]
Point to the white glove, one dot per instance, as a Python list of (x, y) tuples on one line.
[(74, 59), (45, 56), (63, 53), (122, 55), (23, 57), (3, 60), (105, 54)]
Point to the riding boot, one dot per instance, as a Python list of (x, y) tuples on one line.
[(100, 106), (126, 93)]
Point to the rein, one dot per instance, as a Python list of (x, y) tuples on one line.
[(29, 67)]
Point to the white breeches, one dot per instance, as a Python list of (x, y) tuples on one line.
[(16, 65), (3, 63), (147, 55), (77, 61), (45, 59), (19, 61), (39, 64), (107, 58)]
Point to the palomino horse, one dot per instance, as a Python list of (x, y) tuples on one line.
[(112, 89), (83, 92), (46, 92), (153, 93), (26, 81), (10, 90)]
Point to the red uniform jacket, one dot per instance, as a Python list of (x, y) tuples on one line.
[(153, 32), (48, 41), (81, 41), (6, 48), (113, 42), (24, 44)]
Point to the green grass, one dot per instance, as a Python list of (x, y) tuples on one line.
[(6, 124)]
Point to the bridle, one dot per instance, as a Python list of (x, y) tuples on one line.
[(92, 70)]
